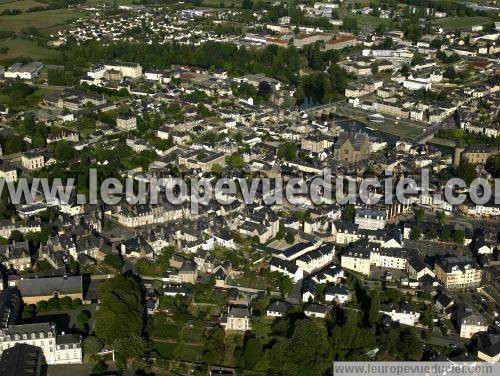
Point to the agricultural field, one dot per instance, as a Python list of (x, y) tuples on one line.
[(40, 20), (23, 48), (21, 5)]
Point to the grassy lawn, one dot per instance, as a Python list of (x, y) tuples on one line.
[(194, 334), (25, 48), (40, 20), (367, 21), (227, 3), (462, 22), (21, 5), (232, 341), (165, 350), (100, 2), (189, 353)]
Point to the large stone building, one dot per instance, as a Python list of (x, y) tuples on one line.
[(352, 148), (132, 70), (126, 122), (62, 349), (236, 319), (357, 260), (458, 272), (33, 160), (35, 289)]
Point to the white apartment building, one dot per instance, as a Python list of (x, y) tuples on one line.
[(316, 259), (132, 70), (8, 173), (405, 314), (63, 349), (357, 260), (126, 122), (369, 219), (472, 323), (32, 160)]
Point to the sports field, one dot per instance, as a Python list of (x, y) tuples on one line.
[(462, 22)]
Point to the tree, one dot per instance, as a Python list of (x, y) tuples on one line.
[(114, 261), (420, 215), (65, 303), (121, 311), (216, 169), (459, 237), (289, 237), (348, 213), (41, 306), (415, 233), (252, 352), (128, 347), (445, 235), (431, 234), (288, 151), (83, 317), (373, 314), (285, 285), (405, 70), (76, 303), (427, 316), (92, 345), (246, 4), (307, 353), (53, 303), (441, 218), (264, 90), (13, 144), (350, 24)]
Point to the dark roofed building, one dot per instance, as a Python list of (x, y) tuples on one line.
[(35, 289), (21, 360)]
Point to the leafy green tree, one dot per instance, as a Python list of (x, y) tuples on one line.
[(427, 316), (216, 169), (285, 285), (445, 235), (308, 350), (128, 347), (373, 314), (252, 352), (92, 345), (121, 311), (114, 261), (41, 306), (53, 303), (348, 213), (415, 233), (289, 237), (441, 218), (420, 215), (65, 303), (288, 151), (459, 237)]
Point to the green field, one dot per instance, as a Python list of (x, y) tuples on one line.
[(367, 21), (25, 48), (462, 22), (40, 20), (21, 5)]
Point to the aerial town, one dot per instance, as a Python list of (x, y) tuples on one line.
[(243, 91)]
